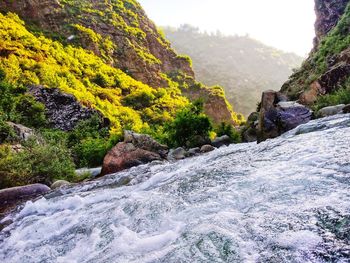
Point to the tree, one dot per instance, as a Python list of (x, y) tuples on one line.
[(190, 126)]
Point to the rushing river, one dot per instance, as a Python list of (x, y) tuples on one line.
[(284, 200)]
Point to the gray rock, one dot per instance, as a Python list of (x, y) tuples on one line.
[(22, 132), (277, 117), (221, 141), (11, 196), (331, 110), (177, 154), (207, 148), (59, 184), (194, 151), (145, 142)]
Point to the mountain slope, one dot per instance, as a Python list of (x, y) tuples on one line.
[(108, 54), (323, 78), (243, 66)]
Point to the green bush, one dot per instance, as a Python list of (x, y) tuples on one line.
[(189, 127), (90, 142), (230, 131), (341, 96), (38, 162), (19, 107), (7, 134), (139, 100), (30, 112), (91, 151)]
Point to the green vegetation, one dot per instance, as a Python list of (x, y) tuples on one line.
[(340, 96), (19, 107), (36, 162), (329, 49), (189, 127), (334, 43), (230, 131), (28, 59)]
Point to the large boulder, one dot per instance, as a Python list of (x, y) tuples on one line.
[(277, 117), (221, 141), (331, 110), (145, 142), (126, 155), (14, 195)]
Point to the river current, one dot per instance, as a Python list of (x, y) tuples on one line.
[(284, 200)]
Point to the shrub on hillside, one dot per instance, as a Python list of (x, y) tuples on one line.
[(38, 162), (341, 96), (19, 107), (189, 127)]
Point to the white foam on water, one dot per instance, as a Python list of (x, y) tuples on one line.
[(300, 240), (243, 203)]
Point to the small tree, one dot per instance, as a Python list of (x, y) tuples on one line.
[(190, 126)]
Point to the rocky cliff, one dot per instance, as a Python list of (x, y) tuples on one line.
[(327, 68), (322, 81), (328, 13), (118, 32)]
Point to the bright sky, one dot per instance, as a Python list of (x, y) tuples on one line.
[(285, 24)]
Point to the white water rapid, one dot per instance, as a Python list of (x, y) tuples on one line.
[(284, 200)]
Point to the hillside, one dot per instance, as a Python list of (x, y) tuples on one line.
[(323, 79), (109, 55), (243, 66)]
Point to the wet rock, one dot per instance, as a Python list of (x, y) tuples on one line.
[(221, 141), (177, 154), (250, 135), (331, 110), (22, 132), (126, 155), (346, 109), (145, 142), (194, 151), (15, 195), (277, 117), (59, 184), (62, 110), (94, 172), (207, 148)]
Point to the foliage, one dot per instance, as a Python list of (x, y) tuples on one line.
[(19, 107), (29, 59), (89, 142), (7, 133), (38, 162), (340, 96), (230, 131), (189, 126), (336, 41)]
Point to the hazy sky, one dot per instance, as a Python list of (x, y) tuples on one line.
[(285, 24)]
